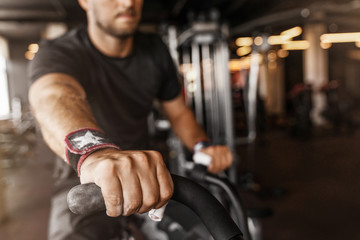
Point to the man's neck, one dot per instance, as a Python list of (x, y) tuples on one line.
[(110, 45)]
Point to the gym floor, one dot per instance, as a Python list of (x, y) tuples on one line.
[(320, 174)]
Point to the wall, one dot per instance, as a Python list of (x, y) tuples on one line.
[(17, 70)]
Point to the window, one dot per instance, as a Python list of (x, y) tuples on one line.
[(4, 89)]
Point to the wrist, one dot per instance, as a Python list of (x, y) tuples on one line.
[(201, 145), (83, 143)]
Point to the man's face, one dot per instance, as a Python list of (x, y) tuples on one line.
[(118, 18)]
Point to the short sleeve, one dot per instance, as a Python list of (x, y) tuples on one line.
[(170, 85), (52, 58)]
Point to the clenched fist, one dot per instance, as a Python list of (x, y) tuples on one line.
[(130, 181)]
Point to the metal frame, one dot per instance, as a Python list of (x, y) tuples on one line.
[(204, 55)]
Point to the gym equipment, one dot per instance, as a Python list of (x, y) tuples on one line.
[(203, 55), (87, 198), (301, 98), (340, 108), (200, 174), (201, 51)]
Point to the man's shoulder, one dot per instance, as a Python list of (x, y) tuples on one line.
[(73, 39), (64, 54)]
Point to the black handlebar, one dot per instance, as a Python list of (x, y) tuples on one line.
[(87, 198)]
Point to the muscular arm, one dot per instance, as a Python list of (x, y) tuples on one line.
[(130, 181), (59, 105), (183, 122), (190, 132)]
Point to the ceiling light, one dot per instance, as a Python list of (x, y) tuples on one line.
[(282, 53), (272, 56), (29, 55), (277, 40), (340, 37), (242, 63), (296, 45), (258, 41), (243, 51), (244, 41), (292, 32), (324, 45), (34, 47)]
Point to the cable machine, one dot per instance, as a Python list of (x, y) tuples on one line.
[(203, 56)]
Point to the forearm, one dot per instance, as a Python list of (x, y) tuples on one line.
[(187, 129), (59, 105), (190, 132)]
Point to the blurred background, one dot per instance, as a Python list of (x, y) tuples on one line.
[(277, 80)]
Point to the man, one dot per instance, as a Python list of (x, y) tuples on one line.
[(94, 87)]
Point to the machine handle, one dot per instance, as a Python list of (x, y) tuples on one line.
[(199, 173), (87, 198)]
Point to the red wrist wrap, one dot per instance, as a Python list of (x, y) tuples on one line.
[(81, 143)]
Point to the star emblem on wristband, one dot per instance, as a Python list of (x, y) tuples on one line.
[(87, 139), (82, 142)]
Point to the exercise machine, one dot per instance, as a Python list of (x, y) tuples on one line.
[(87, 198)]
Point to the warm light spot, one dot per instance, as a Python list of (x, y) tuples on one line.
[(324, 45), (243, 51), (34, 47), (29, 55), (272, 56), (296, 45), (277, 40), (191, 87), (258, 41), (282, 53), (340, 37), (292, 32), (244, 41)]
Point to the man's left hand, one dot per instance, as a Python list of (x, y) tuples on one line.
[(221, 156)]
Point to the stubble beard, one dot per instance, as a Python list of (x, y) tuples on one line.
[(118, 33)]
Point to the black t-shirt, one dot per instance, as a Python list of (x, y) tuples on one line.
[(120, 91)]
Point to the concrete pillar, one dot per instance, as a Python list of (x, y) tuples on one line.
[(316, 68), (275, 101)]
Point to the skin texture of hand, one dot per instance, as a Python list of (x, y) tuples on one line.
[(130, 181), (221, 156)]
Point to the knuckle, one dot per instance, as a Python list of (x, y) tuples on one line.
[(140, 156), (127, 163), (132, 207), (107, 165), (166, 194), (150, 201), (112, 199), (157, 156)]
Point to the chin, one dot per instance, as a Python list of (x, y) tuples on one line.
[(123, 33), (123, 30)]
